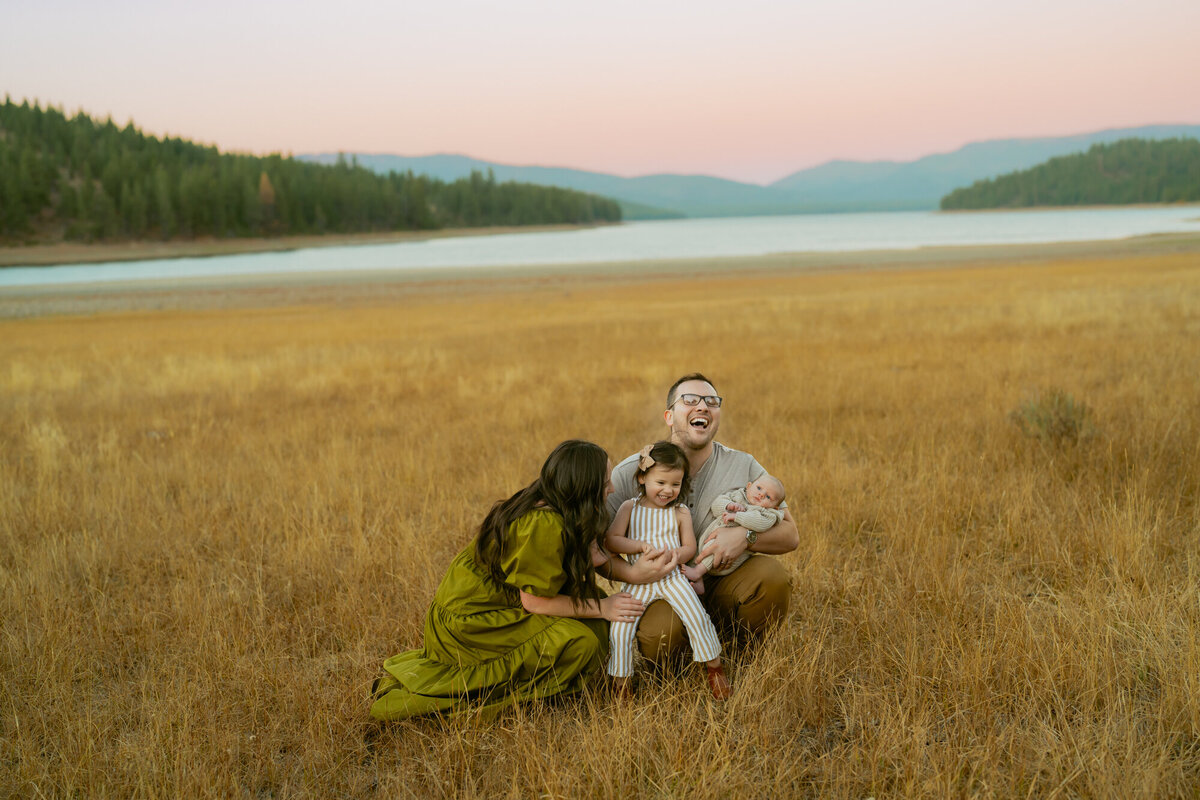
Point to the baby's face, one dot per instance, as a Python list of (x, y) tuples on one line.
[(765, 492)]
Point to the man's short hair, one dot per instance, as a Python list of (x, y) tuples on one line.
[(692, 376)]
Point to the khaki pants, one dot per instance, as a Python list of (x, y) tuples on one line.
[(748, 600)]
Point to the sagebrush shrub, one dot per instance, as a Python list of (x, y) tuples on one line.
[(1054, 416)]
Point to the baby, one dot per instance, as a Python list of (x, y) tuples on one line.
[(755, 508)]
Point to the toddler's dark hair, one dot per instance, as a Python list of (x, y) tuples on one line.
[(669, 455)]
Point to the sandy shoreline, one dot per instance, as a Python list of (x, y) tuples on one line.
[(352, 287), (63, 253)]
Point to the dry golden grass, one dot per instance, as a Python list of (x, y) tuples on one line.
[(215, 525)]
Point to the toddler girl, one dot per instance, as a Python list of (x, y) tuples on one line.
[(656, 518)]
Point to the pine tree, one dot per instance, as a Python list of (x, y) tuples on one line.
[(266, 200), (164, 205), (98, 180)]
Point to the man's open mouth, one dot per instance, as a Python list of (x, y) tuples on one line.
[(699, 423)]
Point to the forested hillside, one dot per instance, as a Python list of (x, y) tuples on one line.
[(80, 179), (1122, 173)]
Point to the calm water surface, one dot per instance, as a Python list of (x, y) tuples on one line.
[(637, 241)]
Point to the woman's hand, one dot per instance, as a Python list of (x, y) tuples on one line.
[(654, 565), (621, 607)]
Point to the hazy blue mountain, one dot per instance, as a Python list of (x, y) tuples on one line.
[(641, 198), (834, 186), (922, 183)]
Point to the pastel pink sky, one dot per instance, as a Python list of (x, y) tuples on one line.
[(751, 92)]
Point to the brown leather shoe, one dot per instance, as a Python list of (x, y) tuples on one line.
[(718, 683)]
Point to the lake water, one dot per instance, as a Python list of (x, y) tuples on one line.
[(668, 239)]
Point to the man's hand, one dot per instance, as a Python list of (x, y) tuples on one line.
[(724, 545)]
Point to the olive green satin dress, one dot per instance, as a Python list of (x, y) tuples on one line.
[(484, 651)]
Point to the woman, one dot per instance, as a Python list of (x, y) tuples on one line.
[(518, 615)]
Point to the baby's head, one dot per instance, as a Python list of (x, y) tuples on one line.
[(765, 492)]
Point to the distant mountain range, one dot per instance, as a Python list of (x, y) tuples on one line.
[(832, 187), (1128, 172)]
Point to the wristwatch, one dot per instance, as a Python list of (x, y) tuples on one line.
[(751, 537)]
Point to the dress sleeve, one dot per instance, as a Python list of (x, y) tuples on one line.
[(534, 554)]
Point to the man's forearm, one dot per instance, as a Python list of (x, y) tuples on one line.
[(780, 538)]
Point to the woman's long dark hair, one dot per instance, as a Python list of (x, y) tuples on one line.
[(572, 483)]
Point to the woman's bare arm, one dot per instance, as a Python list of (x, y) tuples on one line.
[(620, 607)]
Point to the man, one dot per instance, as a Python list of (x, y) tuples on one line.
[(755, 594)]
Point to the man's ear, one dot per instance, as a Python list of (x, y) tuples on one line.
[(667, 415)]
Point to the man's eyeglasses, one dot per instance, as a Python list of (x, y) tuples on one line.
[(710, 400)]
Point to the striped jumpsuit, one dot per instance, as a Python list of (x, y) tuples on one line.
[(660, 527)]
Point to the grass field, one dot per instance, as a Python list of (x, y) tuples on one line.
[(215, 524)]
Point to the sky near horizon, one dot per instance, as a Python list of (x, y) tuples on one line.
[(753, 91)]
